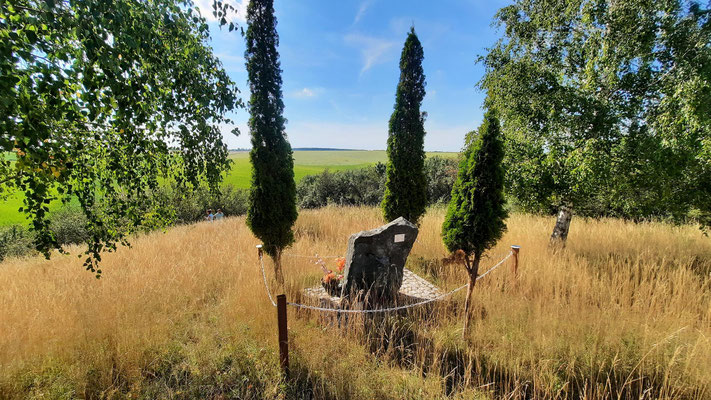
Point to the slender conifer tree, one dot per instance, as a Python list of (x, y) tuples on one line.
[(272, 201), (406, 184), (476, 214)]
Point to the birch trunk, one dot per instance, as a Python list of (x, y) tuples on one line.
[(562, 226)]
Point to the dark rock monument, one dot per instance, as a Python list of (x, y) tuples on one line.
[(375, 261), (374, 274)]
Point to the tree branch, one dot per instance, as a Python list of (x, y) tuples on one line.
[(10, 178)]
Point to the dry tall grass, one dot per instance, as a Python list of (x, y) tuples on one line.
[(623, 312)]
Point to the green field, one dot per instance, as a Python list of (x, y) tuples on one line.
[(309, 162), (9, 214), (305, 163)]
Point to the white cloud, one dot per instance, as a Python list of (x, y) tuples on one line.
[(361, 10), (305, 93), (373, 50), (239, 15)]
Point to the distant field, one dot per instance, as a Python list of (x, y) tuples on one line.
[(8, 210), (314, 162), (305, 163), (9, 214)]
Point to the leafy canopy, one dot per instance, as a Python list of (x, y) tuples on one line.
[(405, 186), (101, 99), (604, 105), (272, 209), (476, 214)]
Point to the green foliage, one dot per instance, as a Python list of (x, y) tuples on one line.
[(92, 92), (359, 187), (233, 201), (404, 194), (69, 226), (476, 214), (305, 163), (365, 186), (15, 241), (605, 106), (272, 201), (441, 174)]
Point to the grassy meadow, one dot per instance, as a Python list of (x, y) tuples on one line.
[(306, 162), (624, 311), (310, 162)]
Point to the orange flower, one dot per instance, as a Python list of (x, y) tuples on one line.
[(341, 264), (329, 277)]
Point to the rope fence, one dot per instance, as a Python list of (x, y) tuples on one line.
[(315, 256), (264, 275), (380, 310)]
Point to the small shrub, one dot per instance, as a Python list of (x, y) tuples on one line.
[(365, 186), (191, 207), (359, 187), (69, 226), (441, 173), (231, 200), (15, 241)]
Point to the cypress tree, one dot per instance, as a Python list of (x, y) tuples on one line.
[(476, 214), (406, 183), (272, 200)]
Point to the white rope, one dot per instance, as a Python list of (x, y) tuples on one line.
[(495, 266), (264, 276), (314, 256), (380, 310)]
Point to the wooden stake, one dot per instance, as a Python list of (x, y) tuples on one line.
[(283, 335), (514, 259)]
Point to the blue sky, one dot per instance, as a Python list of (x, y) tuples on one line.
[(340, 68)]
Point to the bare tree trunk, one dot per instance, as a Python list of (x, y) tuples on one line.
[(473, 270), (562, 226), (277, 267)]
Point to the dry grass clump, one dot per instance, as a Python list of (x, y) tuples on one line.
[(624, 311)]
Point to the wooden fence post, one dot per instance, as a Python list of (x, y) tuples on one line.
[(514, 263), (283, 335), (259, 251)]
